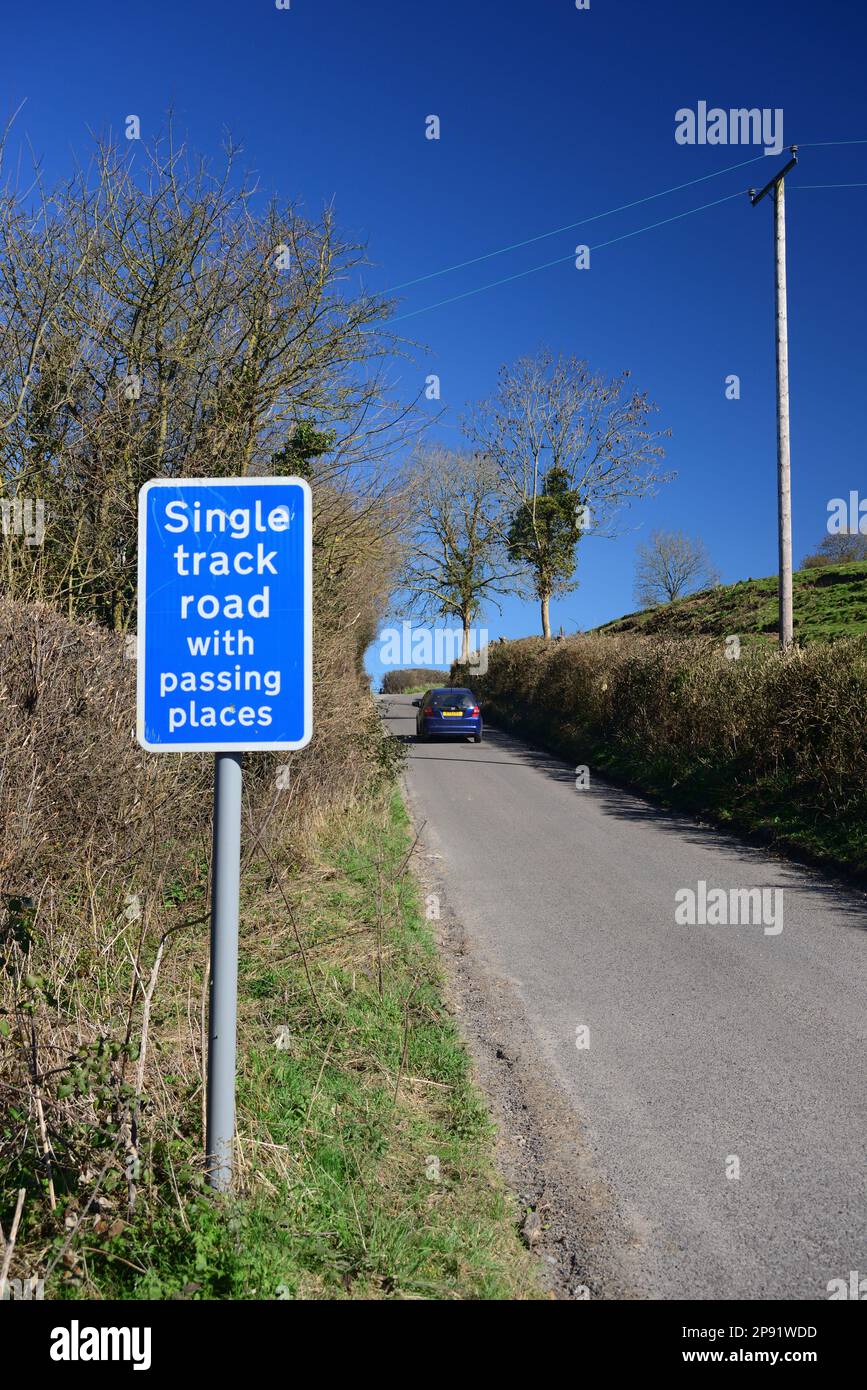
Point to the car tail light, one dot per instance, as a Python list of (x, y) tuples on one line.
[(429, 710), (473, 712)]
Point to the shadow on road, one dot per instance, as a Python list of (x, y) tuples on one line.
[(831, 891)]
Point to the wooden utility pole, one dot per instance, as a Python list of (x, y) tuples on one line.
[(784, 460), (784, 471)]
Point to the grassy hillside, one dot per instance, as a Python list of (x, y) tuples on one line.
[(829, 603)]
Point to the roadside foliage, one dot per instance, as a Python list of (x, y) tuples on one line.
[(768, 742)]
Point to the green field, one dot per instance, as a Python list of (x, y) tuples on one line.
[(829, 603)]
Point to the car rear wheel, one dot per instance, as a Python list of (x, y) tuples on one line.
[(477, 738)]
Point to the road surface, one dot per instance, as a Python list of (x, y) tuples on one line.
[(719, 1112)]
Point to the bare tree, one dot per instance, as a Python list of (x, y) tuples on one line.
[(153, 324), (560, 435), (840, 548), (455, 555), (671, 565)]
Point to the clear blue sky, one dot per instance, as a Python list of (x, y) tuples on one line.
[(548, 114)]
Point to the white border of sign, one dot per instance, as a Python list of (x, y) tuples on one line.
[(308, 617)]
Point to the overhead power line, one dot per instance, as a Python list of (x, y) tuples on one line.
[(595, 217), (815, 144), (560, 260), (570, 226)]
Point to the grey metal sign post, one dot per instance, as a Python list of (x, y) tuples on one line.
[(223, 1011)]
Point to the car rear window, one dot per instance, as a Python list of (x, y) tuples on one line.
[(452, 699)]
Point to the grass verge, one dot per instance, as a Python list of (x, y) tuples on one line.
[(365, 1152)]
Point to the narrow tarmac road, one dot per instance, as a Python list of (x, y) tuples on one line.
[(713, 1049)]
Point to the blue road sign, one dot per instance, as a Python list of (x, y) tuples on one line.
[(225, 620)]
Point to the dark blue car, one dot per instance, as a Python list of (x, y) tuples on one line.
[(448, 712)]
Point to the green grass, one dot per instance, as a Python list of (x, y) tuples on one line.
[(829, 602), (365, 1151), (770, 806)]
